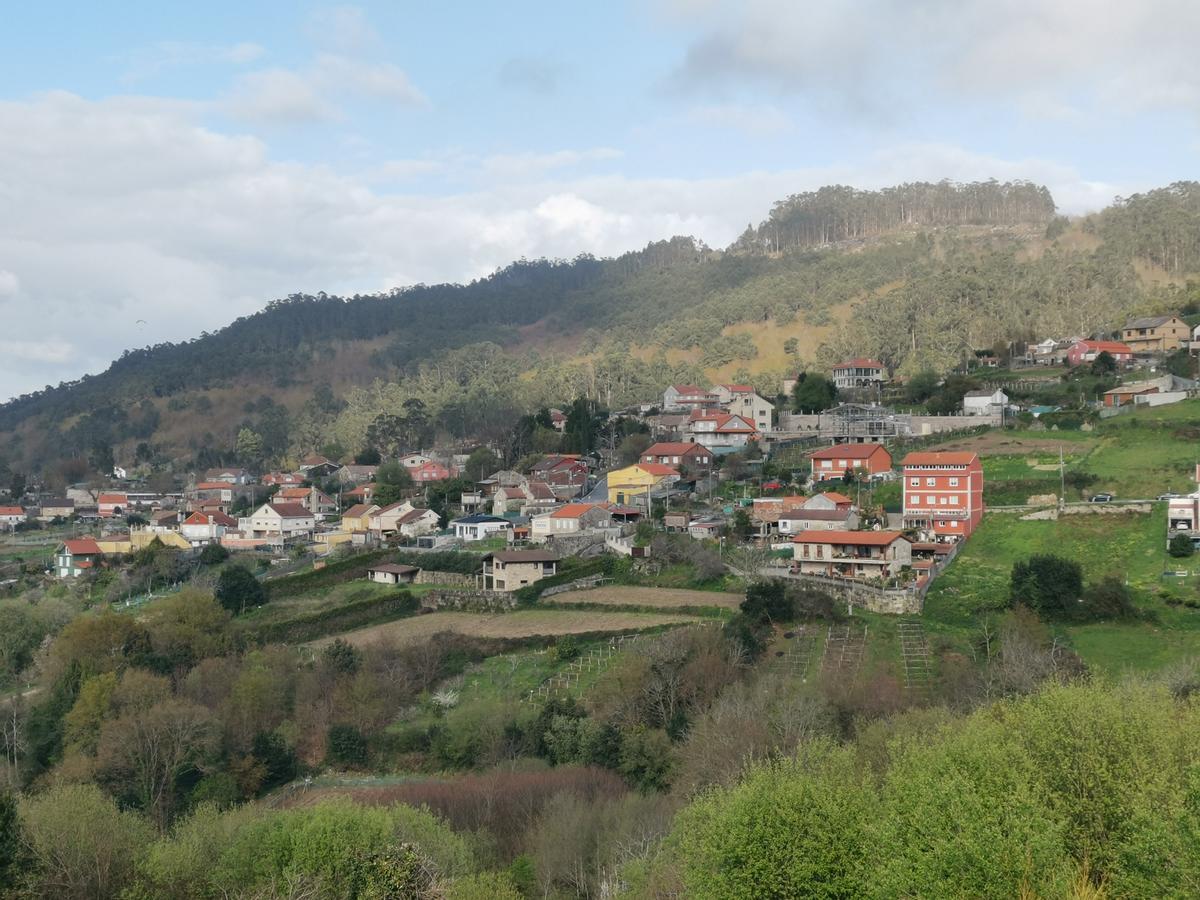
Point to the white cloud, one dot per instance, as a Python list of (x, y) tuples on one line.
[(753, 119), (278, 96), (131, 210), (10, 285), (527, 164), (345, 28), (163, 55), (877, 55), (315, 94)]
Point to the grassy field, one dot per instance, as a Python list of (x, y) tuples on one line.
[(1130, 546), (648, 597), (520, 624), (1139, 455)]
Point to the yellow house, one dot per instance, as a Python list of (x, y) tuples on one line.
[(632, 484), (358, 517)]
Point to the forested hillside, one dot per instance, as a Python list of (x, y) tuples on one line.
[(919, 276)]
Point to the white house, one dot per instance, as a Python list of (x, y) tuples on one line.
[(720, 432), (743, 400), (479, 526), (283, 520), (11, 516), (572, 518), (206, 528), (687, 396), (985, 403), (392, 573)]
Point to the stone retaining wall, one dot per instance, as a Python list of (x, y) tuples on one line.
[(469, 601), (452, 579)]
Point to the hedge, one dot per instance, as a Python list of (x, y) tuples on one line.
[(530, 594), (333, 573), (357, 614)]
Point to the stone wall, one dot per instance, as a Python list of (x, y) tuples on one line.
[(472, 601), (451, 579), (581, 584)]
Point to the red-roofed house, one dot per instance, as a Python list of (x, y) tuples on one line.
[(364, 493), (720, 432), (832, 462), (357, 518), (571, 518), (206, 528), (743, 400), (851, 554), (943, 494), (11, 515), (688, 396), (566, 474), (109, 505), (282, 479), (75, 557), (695, 457), (860, 372), (795, 521), (429, 472), (1087, 351), (315, 501)]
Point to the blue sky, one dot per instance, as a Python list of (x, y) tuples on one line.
[(168, 168)]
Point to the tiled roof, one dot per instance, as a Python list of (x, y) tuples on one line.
[(848, 451), (940, 458), (673, 448), (82, 547), (291, 510), (862, 538)]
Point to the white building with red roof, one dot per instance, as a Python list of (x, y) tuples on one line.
[(860, 372), (744, 400), (75, 557), (202, 528), (688, 396), (11, 516), (109, 505), (720, 432)]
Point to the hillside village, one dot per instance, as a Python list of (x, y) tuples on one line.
[(716, 462), (601, 612)]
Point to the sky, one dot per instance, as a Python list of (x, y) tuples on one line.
[(166, 168)]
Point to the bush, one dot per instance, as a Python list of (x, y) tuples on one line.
[(1181, 546), (1109, 598), (1048, 584), (345, 745), (213, 554), (237, 589)]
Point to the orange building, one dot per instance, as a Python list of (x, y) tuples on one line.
[(832, 462), (943, 494)]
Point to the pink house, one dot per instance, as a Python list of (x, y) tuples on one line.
[(1087, 351)]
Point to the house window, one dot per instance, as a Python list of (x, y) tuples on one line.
[(942, 501), (914, 482), (820, 551), (954, 499), (806, 554), (930, 482), (953, 482)]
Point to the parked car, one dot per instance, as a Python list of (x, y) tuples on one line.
[(1169, 496), (1101, 498)]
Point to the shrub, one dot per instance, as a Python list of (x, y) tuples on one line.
[(1046, 583), (1181, 546), (345, 745), (213, 554), (237, 588)]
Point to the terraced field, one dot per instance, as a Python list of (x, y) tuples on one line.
[(648, 597), (520, 624)]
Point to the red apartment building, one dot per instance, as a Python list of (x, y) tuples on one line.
[(943, 494)]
